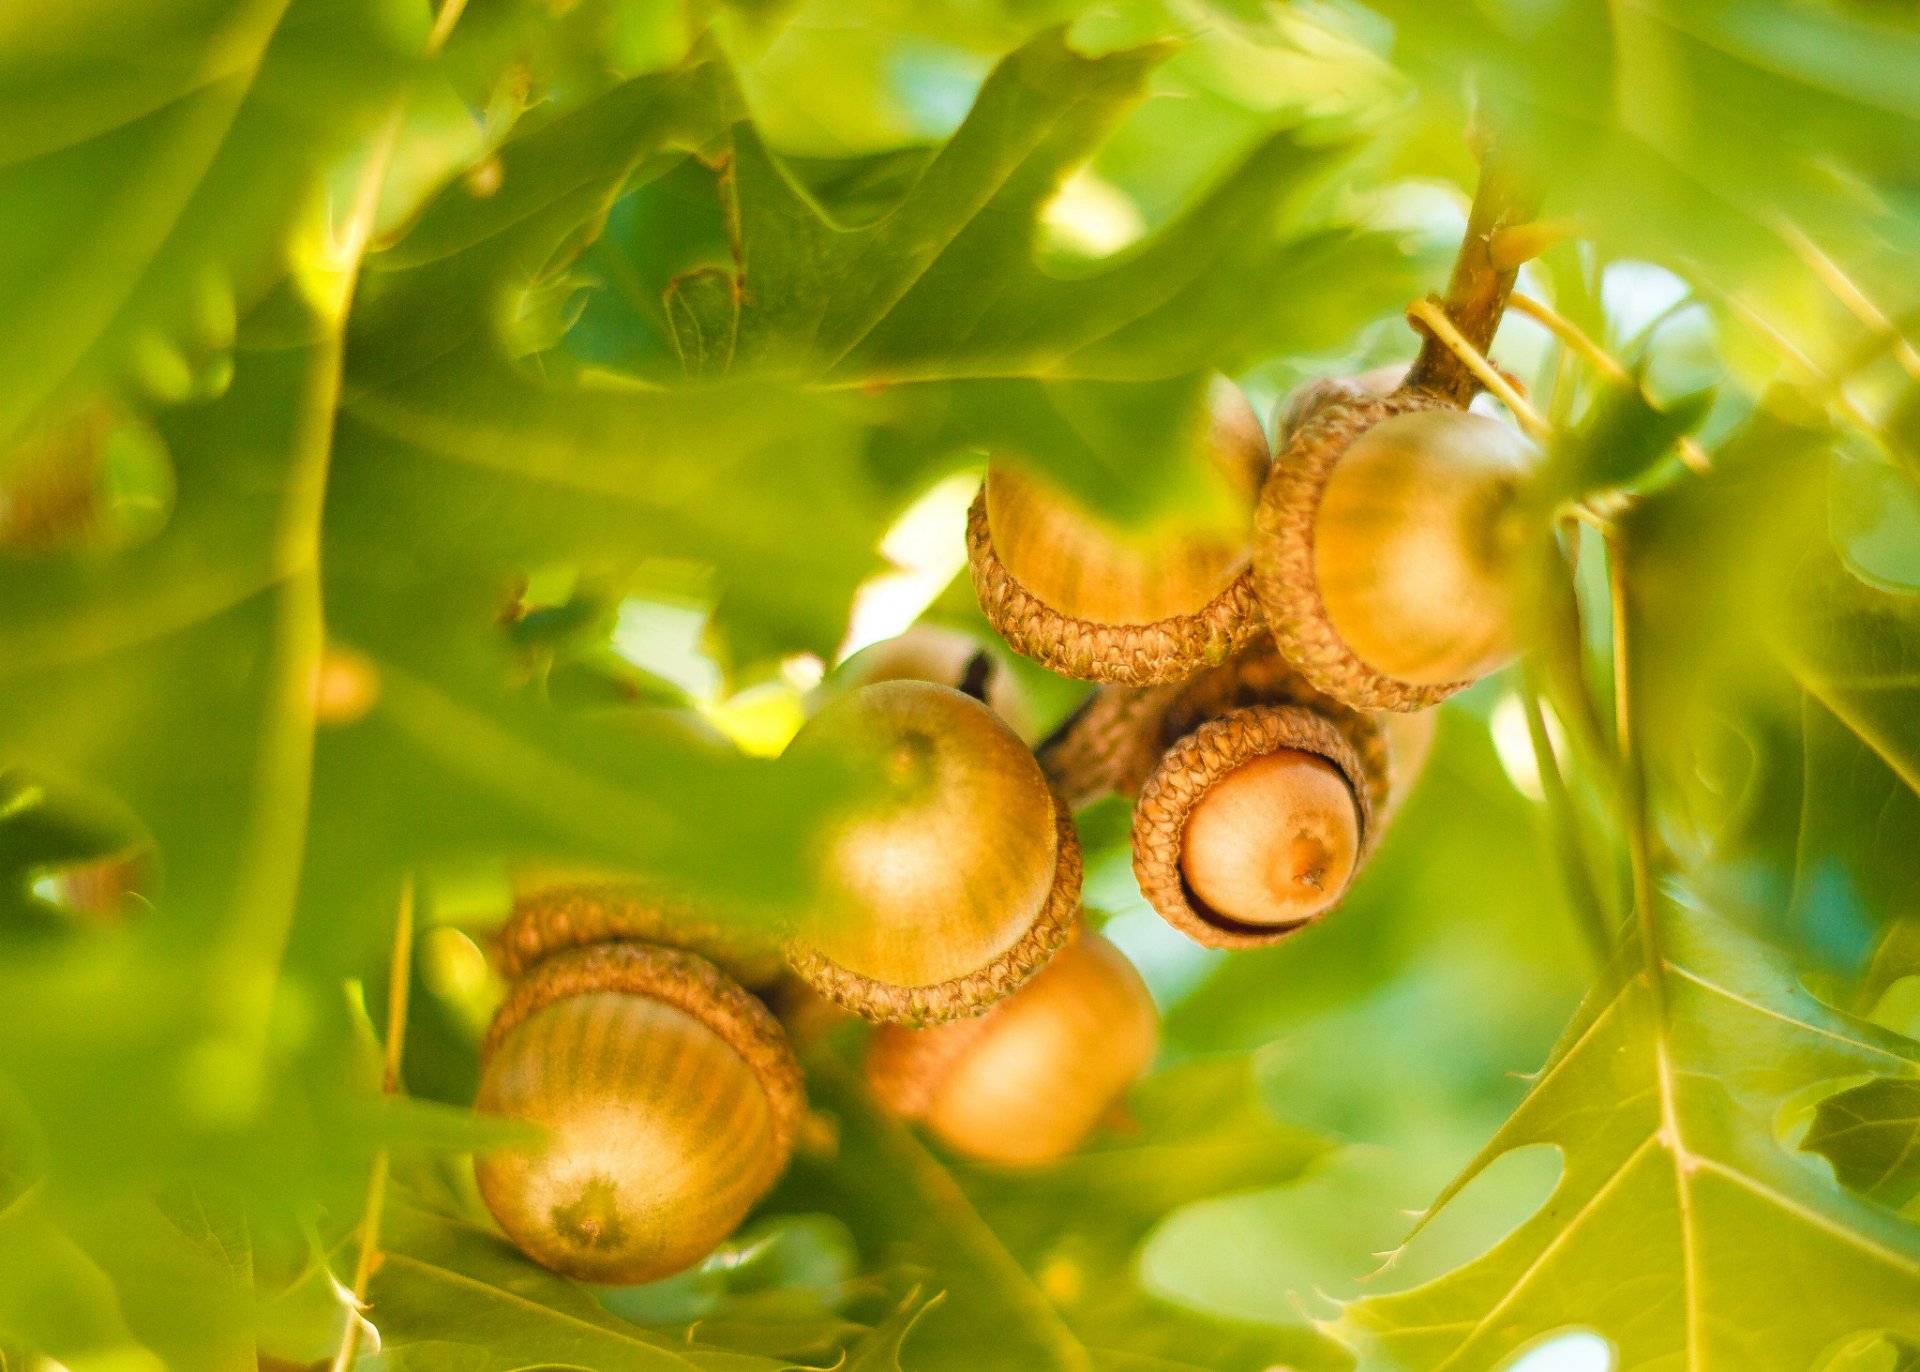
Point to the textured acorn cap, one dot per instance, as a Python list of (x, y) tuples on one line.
[(1026, 1082), (548, 919), (1311, 399), (1115, 740), (1283, 557), (952, 887), (1085, 601), (1189, 770), (670, 1101)]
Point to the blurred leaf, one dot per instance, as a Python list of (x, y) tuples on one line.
[(1672, 125), (1621, 436), (449, 1298), (940, 292), (157, 159), (1663, 1096), (1871, 1135)]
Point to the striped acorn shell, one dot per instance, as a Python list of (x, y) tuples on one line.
[(553, 918), (1026, 1082), (1190, 769), (669, 1100), (1283, 556), (936, 906)]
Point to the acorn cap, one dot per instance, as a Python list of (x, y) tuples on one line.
[(683, 980), (1283, 556), (1130, 654), (553, 918), (1313, 398), (952, 887), (1091, 607), (1117, 738), (1190, 769)]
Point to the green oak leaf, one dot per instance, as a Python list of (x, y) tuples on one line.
[(453, 1298), (1871, 1135), (932, 289), (1683, 1230), (158, 160)]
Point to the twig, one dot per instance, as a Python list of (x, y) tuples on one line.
[(1577, 340), (1564, 823), (1441, 329), (399, 980), (1633, 777), (1477, 292)]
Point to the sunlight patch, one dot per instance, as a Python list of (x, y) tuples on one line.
[(927, 547), (1572, 1350)]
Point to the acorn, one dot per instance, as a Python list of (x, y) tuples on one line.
[(1088, 600), (1028, 1081), (951, 883), (1386, 548), (943, 654), (1409, 743), (1253, 825), (553, 915), (1310, 400), (668, 1098)]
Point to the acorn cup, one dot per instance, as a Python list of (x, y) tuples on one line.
[(668, 1098), (551, 916), (1386, 547), (1027, 1082), (1253, 825), (1114, 742), (951, 885), (1087, 600)]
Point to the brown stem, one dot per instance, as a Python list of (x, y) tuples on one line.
[(1477, 294)]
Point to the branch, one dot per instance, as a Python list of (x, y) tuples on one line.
[(1482, 278)]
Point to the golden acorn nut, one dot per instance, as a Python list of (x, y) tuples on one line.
[(1027, 1082), (1385, 551), (1273, 842), (668, 1099), (1088, 600), (951, 883), (1253, 825)]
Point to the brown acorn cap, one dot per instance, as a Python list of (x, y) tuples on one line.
[(1129, 654), (1108, 745), (1189, 770), (1115, 740), (1283, 556), (1313, 398), (957, 997), (677, 978), (552, 918)]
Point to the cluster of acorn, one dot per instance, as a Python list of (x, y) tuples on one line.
[(1242, 680)]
